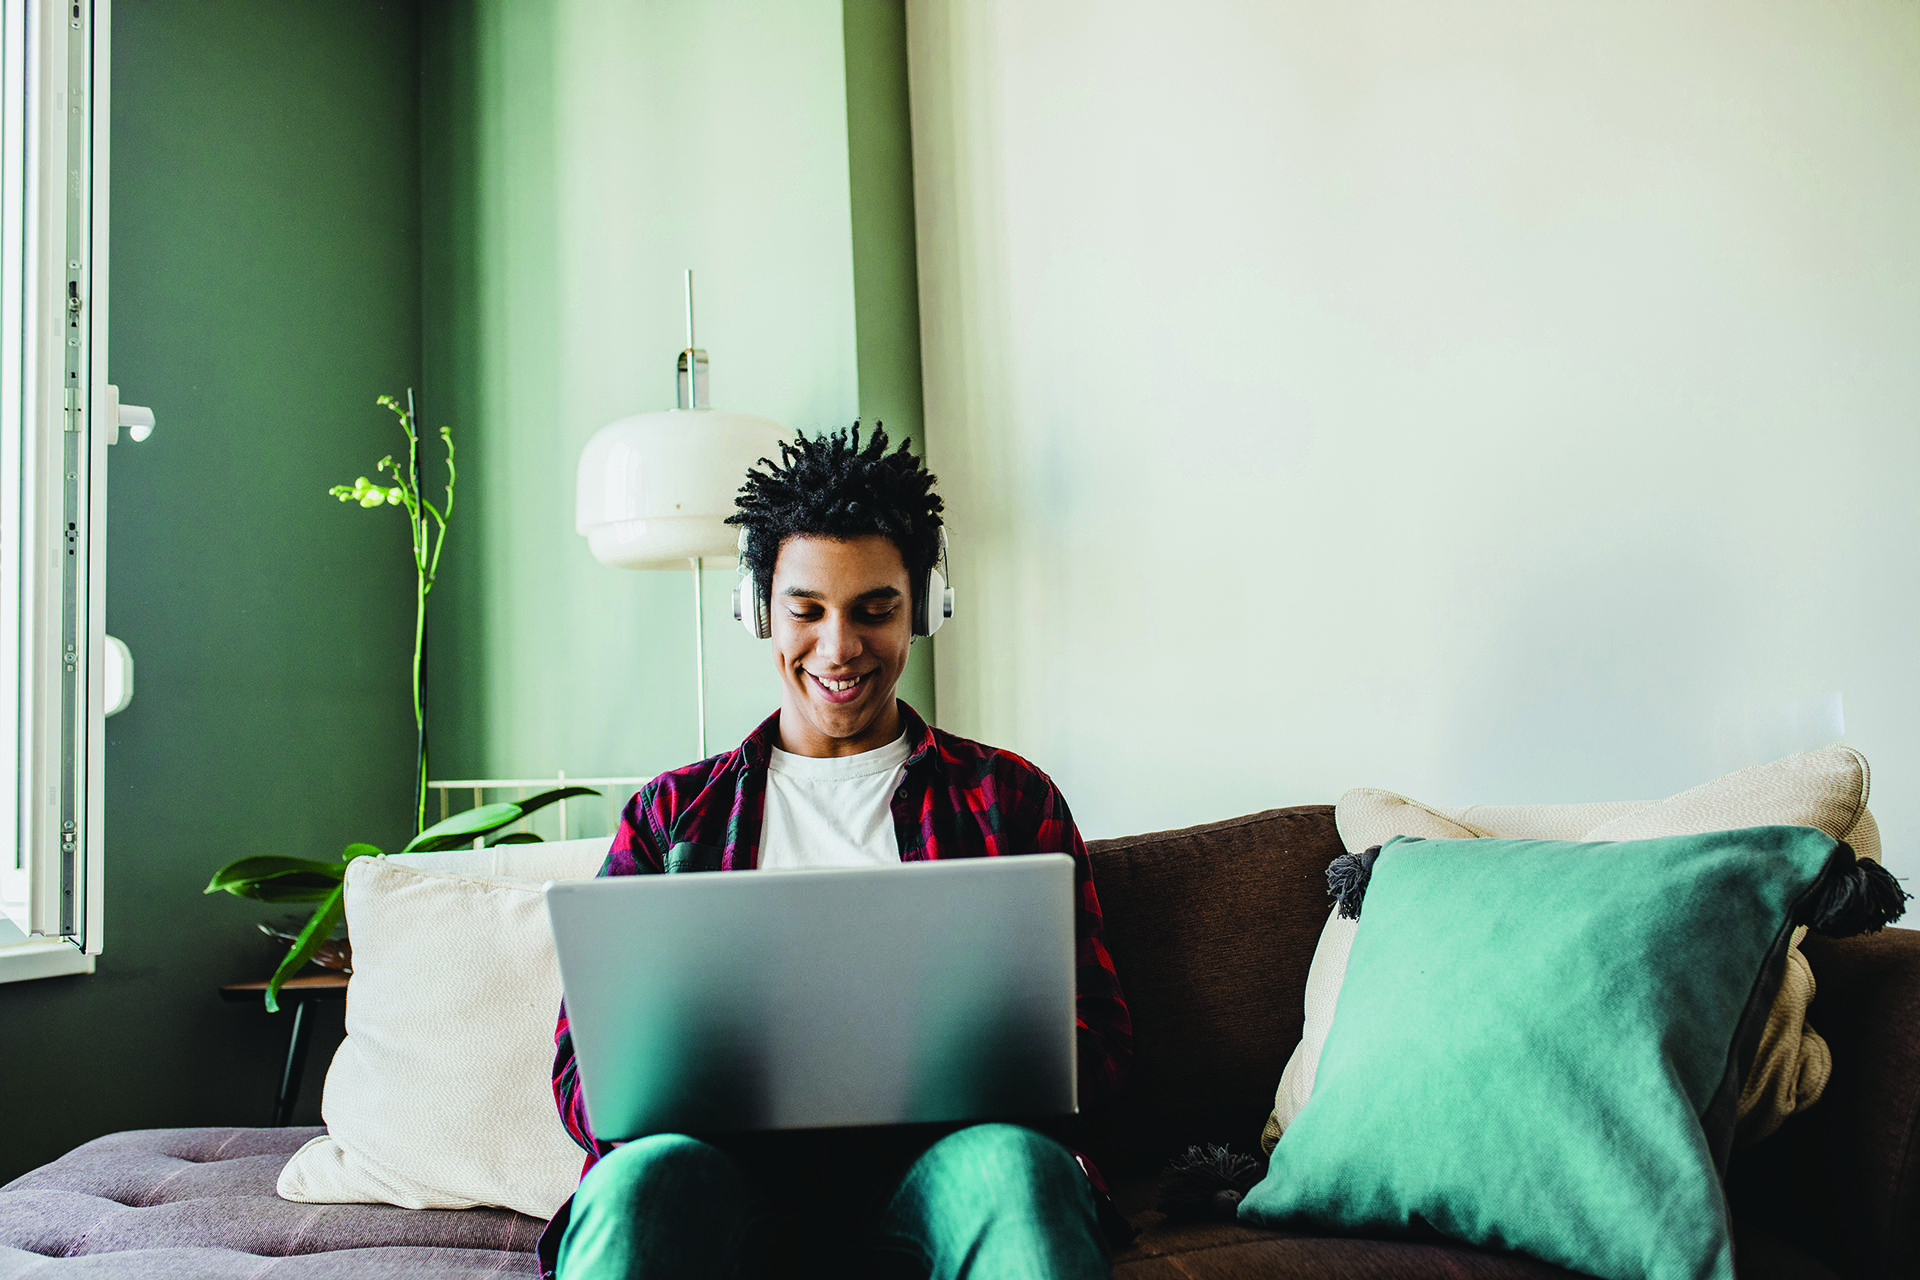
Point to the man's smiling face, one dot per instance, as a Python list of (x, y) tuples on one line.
[(842, 627)]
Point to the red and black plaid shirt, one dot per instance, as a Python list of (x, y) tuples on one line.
[(959, 800)]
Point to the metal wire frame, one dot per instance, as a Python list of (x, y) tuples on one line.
[(522, 788)]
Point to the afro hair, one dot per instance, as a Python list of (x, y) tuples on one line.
[(833, 486)]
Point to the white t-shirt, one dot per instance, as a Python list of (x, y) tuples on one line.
[(832, 811)]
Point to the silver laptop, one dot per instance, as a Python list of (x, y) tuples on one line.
[(728, 1001)]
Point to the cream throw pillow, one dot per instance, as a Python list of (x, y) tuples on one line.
[(441, 1096), (1826, 789)]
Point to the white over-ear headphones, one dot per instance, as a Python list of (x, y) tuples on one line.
[(932, 605), (759, 623)]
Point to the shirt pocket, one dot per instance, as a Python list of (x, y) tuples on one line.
[(688, 856)]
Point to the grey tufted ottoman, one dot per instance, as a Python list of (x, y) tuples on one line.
[(200, 1203)]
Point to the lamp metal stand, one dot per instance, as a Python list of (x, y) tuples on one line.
[(699, 655)]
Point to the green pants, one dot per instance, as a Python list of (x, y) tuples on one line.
[(993, 1200)]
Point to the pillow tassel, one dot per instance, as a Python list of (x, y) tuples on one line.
[(1852, 896), (1347, 878), (1207, 1182)]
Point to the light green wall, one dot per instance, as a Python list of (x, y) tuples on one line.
[(264, 265), (880, 164), (580, 155)]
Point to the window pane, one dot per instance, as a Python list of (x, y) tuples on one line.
[(14, 354), (49, 457)]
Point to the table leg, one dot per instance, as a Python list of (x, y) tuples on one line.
[(296, 1061)]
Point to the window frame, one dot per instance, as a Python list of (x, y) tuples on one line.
[(55, 625)]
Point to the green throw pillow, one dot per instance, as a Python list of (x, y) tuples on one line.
[(1538, 1043)]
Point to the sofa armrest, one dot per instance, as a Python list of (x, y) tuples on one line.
[(1842, 1178)]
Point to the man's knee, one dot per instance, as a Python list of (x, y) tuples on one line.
[(664, 1205), (659, 1168), (1003, 1156), (1000, 1200)]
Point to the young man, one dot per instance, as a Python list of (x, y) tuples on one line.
[(840, 539)]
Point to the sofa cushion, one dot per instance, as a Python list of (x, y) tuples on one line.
[(1537, 1045), (441, 1095), (201, 1202), (107, 1211), (1824, 789), (1859, 1206), (1211, 1249), (1211, 929)]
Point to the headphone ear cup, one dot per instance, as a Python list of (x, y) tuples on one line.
[(750, 609), (935, 604), (755, 617), (740, 615), (932, 607)]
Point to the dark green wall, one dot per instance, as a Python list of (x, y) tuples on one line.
[(459, 62), (450, 342), (314, 203), (265, 277)]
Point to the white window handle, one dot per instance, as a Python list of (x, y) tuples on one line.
[(136, 418), (118, 676)]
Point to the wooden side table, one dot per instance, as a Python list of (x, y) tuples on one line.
[(298, 992)]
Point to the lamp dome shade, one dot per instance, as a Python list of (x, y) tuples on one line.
[(654, 489)]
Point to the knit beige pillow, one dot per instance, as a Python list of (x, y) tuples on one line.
[(1826, 789), (441, 1095)]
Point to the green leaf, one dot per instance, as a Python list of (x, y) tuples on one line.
[(358, 850), (516, 837), (464, 828), (267, 867), (318, 930), (545, 798), (295, 888)]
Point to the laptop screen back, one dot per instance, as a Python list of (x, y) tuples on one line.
[(728, 1001)]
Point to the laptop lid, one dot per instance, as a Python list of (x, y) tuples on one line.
[(718, 1002)]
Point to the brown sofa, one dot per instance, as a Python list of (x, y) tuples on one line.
[(1212, 929)]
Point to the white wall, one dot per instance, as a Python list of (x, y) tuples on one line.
[(1492, 401)]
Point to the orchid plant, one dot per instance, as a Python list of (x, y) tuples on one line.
[(427, 528), (272, 878)]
